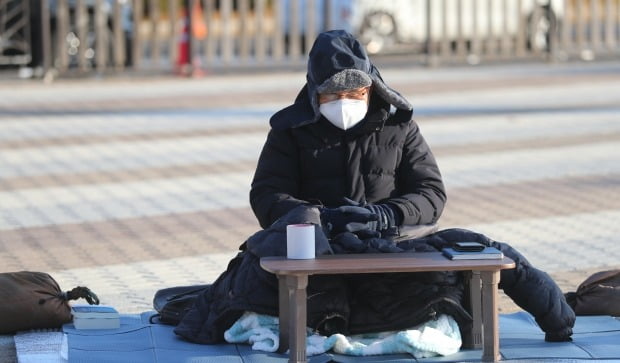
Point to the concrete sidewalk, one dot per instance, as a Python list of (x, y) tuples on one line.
[(131, 185)]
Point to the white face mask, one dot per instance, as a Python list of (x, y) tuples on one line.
[(344, 113)]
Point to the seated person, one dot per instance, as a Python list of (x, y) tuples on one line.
[(347, 155)]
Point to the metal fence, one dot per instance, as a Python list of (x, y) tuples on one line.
[(84, 36), (14, 32)]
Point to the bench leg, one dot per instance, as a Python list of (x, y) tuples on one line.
[(474, 338), (292, 299), (490, 316)]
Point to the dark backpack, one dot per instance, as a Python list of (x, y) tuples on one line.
[(599, 294), (173, 303)]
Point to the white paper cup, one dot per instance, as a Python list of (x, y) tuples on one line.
[(300, 241)]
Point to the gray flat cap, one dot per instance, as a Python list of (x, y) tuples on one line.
[(345, 80)]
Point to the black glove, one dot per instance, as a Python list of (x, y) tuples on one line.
[(352, 243), (383, 245), (387, 223), (348, 242), (346, 219), (389, 218), (367, 233)]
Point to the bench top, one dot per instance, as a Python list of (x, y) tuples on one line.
[(379, 263)]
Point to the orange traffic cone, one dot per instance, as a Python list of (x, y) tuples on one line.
[(183, 64), (188, 65)]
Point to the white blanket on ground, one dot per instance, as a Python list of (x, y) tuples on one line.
[(41, 346), (435, 337)]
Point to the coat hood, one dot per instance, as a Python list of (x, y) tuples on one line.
[(333, 52)]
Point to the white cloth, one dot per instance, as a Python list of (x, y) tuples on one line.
[(435, 337)]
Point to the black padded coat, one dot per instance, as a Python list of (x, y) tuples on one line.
[(366, 302), (336, 304), (383, 159)]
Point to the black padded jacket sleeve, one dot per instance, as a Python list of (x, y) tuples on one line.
[(423, 193), (276, 179)]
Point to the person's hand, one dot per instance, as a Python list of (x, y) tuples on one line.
[(367, 233), (383, 245), (372, 225), (387, 221), (348, 242), (346, 219)]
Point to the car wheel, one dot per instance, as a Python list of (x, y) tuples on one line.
[(378, 31), (540, 29)]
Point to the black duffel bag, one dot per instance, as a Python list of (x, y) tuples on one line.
[(599, 294), (173, 303)]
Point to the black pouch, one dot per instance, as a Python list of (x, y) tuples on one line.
[(173, 303), (599, 294)]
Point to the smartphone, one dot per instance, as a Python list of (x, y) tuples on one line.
[(468, 246)]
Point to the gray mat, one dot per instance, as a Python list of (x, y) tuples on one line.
[(138, 341), (595, 338), (7, 349), (252, 356)]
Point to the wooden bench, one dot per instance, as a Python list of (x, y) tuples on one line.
[(293, 280)]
